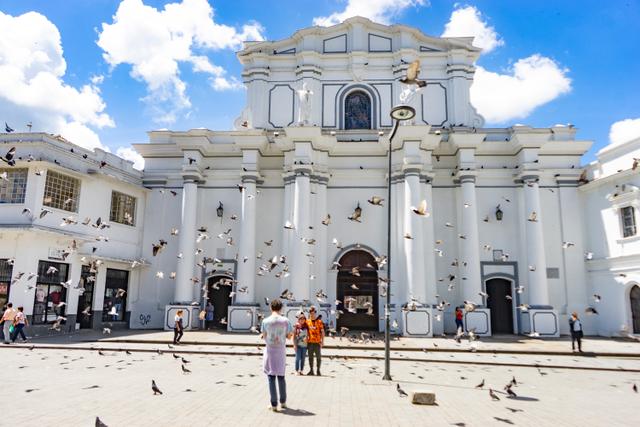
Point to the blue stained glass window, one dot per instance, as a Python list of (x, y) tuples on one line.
[(357, 111)]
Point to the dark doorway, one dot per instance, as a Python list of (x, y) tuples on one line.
[(219, 296), (85, 301), (501, 307), (635, 308), (365, 297)]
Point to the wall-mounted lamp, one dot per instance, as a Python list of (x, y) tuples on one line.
[(499, 213), (220, 211)]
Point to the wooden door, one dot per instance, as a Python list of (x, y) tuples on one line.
[(501, 307), (366, 293), (635, 308)]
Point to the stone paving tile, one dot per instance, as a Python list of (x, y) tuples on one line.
[(230, 390)]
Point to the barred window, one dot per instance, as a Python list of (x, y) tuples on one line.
[(628, 221), (13, 185), (123, 208), (61, 192)]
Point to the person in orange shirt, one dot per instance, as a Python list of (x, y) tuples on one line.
[(315, 339)]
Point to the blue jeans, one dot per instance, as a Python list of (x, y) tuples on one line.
[(301, 354), (18, 329), (282, 386)]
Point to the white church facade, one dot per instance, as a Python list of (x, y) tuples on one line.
[(287, 204)]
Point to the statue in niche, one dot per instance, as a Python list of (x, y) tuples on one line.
[(304, 105)]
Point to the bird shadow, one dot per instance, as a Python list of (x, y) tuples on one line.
[(525, 398), (297, 412)]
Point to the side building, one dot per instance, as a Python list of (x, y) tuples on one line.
[(70, 226)]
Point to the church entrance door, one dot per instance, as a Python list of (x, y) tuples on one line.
[(219, 297), (501, 307), (635, 308), (358, 294)]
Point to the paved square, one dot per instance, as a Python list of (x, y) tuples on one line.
[(72, 386)]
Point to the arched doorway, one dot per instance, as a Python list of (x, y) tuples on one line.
[(500, 302), (218, 293), (364, 294), (634, 296)]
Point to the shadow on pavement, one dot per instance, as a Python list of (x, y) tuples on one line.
[(297, 412)]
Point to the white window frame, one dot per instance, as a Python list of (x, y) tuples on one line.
[(634, 226), (122, 220), (75, 197), (10, 186)]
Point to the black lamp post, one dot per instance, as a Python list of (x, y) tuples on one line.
[(498, 213), (398, 113)]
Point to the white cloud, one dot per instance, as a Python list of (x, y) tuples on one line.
[(155, 42), (376, 10), (132, 155), (624, 130), (468, 21), (32, 86), (532, 82)]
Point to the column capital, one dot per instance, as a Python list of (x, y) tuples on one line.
[(302, 170), (527, 177), (320, 178), (427, 177), (191, 174), (465, 176), (250, 177)]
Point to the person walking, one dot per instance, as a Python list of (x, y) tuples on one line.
[(276, 329), (300, 336), (208, 318), (178, 327), (575, 327), (315, 340), (459, 324), (19, 323), (7, 318)]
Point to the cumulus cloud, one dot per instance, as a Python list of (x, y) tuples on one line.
[(132, 155), (530, 83), (468, 21), (376, 10), (624, 130), (155, 42), (32, 87)]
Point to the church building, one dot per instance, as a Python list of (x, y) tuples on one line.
[(294, 203)]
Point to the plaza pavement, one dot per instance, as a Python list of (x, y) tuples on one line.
[(71, 384)]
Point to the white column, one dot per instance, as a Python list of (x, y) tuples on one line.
[(187, 243), (247, 248), (399, 287), (414, 248), (322, 261), (469, 246), (536, 262), (428, 232), (300, 263), (287, 235)]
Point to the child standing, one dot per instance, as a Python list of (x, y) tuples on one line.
[(300, 342)]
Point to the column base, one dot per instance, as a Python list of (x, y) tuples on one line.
[(438, 325), (480, 320), (241, 317), (418, 322), (189, 318), (540, 321)]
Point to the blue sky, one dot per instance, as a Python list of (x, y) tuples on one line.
[(593, 46)]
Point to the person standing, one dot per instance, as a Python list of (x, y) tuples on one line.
[(208, 318), (178, 327), (300, 336), (276, 329), (459, 324), (315, 340), (19, 323), (7, 318), (575, 327)]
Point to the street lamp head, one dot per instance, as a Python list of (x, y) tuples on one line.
[(220, 210), (499, 213), (403, 112)]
